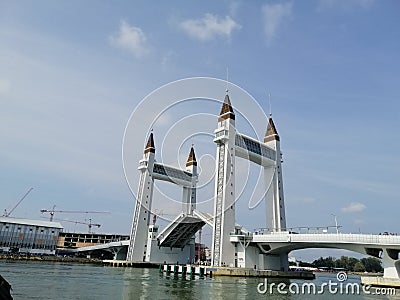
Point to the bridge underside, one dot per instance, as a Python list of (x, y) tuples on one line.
[(178, 233), (389, 255), (386, 248), (269, 248)]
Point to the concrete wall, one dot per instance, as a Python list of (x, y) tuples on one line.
[(170, 255), (252, 260), (274, 262)]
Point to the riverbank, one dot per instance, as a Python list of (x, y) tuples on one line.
[(81, 260), (366, 274)]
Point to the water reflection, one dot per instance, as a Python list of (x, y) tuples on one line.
[(45, 280)]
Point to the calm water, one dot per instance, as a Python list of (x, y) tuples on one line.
[(46, 280)]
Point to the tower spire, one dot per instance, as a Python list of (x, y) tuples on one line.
[(227, 81), (272, 133), (150, 145), (191, 161), (270, 107), (226, 110)]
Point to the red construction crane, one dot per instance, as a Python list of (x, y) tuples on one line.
[(7, 214), (52, 211)]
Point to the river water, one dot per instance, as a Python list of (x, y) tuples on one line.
[(53, 280)]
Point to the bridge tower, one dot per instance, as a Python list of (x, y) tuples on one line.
[(275, 205), (189, 193), (223, 251), (141, 217), (141, 244)]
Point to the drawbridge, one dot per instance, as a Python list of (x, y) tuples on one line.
[(178, 233)]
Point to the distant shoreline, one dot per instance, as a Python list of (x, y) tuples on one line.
[(82, 260)]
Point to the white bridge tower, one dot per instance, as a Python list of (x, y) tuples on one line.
[(140, 245), (275, 205), (223, 251), (231, 143)]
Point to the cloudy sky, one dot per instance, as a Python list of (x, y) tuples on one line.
[(72, 73)]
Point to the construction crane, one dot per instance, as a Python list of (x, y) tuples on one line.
[(90, 224), (7, 214), (52, 211)]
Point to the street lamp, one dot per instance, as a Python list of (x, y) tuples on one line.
[(336, 225)]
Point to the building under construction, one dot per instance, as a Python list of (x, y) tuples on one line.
[(73, 240)]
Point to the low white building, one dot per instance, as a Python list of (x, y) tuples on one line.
[(28, 236)]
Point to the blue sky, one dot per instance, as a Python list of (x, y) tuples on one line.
[(72, 72)]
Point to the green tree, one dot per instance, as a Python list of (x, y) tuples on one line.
[(372, 264), (359, 267), (347, 263), (328, 262)]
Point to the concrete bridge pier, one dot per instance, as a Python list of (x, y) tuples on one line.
[(277, 262), (119, 253), (391, 263), (391, 270)]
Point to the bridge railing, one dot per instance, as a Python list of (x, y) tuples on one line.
[(337, 238), (357, 238), (300, 230)]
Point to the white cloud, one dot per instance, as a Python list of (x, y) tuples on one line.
[(130, 38), (354, 207), (274, 15), (209, 27)]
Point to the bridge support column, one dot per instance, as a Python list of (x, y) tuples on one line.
[(119, 253), (284, 262), (278, 262), (391, 264)]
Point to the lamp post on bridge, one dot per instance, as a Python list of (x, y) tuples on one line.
[(336, 225)]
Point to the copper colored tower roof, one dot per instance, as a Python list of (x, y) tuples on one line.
[(191, 159), (226, 110), (150, 145), (272, 133)]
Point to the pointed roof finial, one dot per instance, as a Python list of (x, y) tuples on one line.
[(270, 107), (272, 133), (150, 144), (191, 161), (227, 80), (226, 110)]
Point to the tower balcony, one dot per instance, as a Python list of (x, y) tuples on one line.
[(221, 135), (142, 164)]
